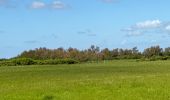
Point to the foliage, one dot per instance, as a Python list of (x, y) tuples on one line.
[(95, 54), (42, 56), (7, 63), (29, 61), (23, 61), (153, 51), (91, 54), (56, 61)]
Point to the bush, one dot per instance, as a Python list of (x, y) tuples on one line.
[(2, 59), (6, 63), (28, 61), (23, 61), (164, 58), (56, 61), (155, 58)]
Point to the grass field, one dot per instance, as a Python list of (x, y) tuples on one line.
[(114, 80)]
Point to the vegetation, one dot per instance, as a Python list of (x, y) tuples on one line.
[(29, 61), (109, 80), (92, 54), (44, 56), (95, 54)]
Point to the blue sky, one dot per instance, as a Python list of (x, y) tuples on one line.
[(29, 24)]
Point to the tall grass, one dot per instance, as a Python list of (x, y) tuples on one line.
[(113, 80)]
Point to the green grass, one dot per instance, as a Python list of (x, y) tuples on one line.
[(115, 80)]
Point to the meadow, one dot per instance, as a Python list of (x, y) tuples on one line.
[(110, 80)]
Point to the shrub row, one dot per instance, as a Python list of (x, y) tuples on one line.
[(56, 61), (154, 58), (28, 61)]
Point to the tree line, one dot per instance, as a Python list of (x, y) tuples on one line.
[(45, 56), (94, 53)]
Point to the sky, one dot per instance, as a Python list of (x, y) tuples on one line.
[(30, 24)]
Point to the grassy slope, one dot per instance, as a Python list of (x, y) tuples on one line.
[(116, 80)]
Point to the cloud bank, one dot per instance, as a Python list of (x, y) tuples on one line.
[(38, 5), (52, 5), (35, 4), (148, 26)]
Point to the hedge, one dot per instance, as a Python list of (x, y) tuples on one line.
[(28, 61)]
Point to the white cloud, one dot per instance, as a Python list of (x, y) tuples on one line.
[(149, 26), (167, 28), (58, 5), (34, 4), (131, 32), (38, 5), (54, 5)]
